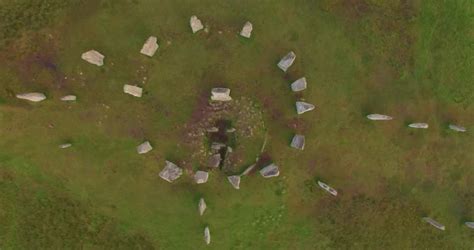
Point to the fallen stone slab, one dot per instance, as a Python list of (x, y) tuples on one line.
[(150, 46), (213, 130), (327, 188), (170, 172), (144, 148), (65, 145), (270, 171), (201, 177), (434, 223), (216, 146), (299, 85), (298, 142), (202, 206), (303, 107), (68, 98), (207, 235), (32, 97), (93, 57), (469, 224), (286, 62), (234, 180), (247, 30), (419, 125), (132, 90), (221, 94), (379, 117), (214, 160), (196, 24), (457, 128), (248, 169)]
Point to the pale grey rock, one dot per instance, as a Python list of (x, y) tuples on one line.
[(207, 235), (150, 46), (201, 177), (457, 128), (32, 97), (419, 125), (214, 160), (202, 206), (286, 62), (221, 94), (247, 30), (68, 98), (469, 224), (434, 223), (298, 142), (248, 169), (379, 117), (170, 172), (132, 90), (65, 145), (144, 148), (196, 24), (270, 171), (93, 57), (230, 130), (299, 85), (327, 188), (303, 107), (234, 180), (213, 130)]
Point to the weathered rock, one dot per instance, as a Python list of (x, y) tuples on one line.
[(248, 169), (327, 188), (213, 130), (418, 125), (303, 107), (286, 62), (207, 235), (144, 148), (221, 94), (150, 46), (201, 177), (298, 142), (247, 30), (379, 117), (214, 160), (469, 224), (132, 90), (68, 98), (196, 24), (234, 180), (299, 85), (434, 223), (65, 145), (457, 128), (93, 57), (32, 97), (270, 171), (170, 172), (202, 206)]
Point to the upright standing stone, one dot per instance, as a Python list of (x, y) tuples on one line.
[(144, 148), (247, 30), (419, 125), (170, 172), (303, 107), (196, 24), (221, 94), (434, 223), (150, 46), (234, 180), (327, 188), (457, 128), (93, 57), (32, 97), (207, 235), (201, 177), (379, 117), (469, 224), (286, 62), (299, 85), (270, 171), (298, 142), (132, 90), (202, 206)]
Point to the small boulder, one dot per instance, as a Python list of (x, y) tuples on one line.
[(379, 117), (298, 142), (434, 223), (234, 180), (303, 107), (286, 62), (270, 171), (150, 46), (201, 177), (214, 160), (457, 128), (32, 97), (299, 85), (469, 224), (144, 148), (196, 24), (170, 172), (247, 30), (419, 125), (93, 57), (68, 98), (132, 90), (65, 145), (202, 206), (221, 94), (207, 235), (327, 188)]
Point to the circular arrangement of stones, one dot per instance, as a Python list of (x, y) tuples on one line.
[(219, 102)]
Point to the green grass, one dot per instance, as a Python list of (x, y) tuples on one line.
[(409, 59)]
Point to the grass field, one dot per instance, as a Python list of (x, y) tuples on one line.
[(409, 59)]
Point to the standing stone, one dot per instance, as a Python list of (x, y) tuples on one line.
[(93, 57), (132, 90), (234, 180), (66, 145), (299, 85), (207, 235), (287, 61), (249, 169), (247, 30), (196, 24), (214, 160), (221, 94), (457, 128), (201, 177), (270, 171), (434, 223), (144, 147), (469, 224), (327, 188), (68, 98), (150, 46), (32, 97), (298, 142), (170, 172), (202, 206), (418, 125), (379, 117), (303, 107)]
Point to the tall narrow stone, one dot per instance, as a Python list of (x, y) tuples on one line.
[(144, 148), (202, 206), (201, 177), (234, 180), (207, 235)]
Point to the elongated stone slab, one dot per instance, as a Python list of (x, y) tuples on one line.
[(457, 128), (202, 206), (379, 117), (32, 97), (434, 223), (327, 188), (132, 90), (419, 125)]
